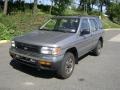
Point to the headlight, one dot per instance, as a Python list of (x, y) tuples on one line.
[(13, 43), (50, 50)]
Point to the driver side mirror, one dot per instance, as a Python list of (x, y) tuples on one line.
[(84, 32)]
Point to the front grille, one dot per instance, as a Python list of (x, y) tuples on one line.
[(27, 47)]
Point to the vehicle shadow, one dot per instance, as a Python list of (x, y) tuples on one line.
[(84, 56), (48, 74), (32, 71)]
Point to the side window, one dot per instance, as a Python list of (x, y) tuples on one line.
[(100, 24), (94, 25), (85, 27)]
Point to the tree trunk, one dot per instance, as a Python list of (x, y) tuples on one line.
[(92, 6), (51, 7), (101, 10), (35, 7), (5, 7)]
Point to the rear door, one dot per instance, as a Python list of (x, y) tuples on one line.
[(95, 31)]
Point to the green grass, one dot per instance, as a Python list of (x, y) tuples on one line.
[(109, 24), (19, 23), (72, 12)]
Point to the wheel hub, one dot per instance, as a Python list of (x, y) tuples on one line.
[(69, 66)]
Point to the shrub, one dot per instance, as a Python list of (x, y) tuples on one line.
[(7, 33), (114, 12)]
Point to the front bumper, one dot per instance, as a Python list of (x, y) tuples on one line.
[(32, 59)]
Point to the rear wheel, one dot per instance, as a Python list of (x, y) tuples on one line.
[(67, 66), (97, 50)]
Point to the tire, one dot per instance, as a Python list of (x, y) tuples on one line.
[(97, 50), (67, 66)]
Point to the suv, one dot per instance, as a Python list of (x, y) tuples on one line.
[(59, 43)]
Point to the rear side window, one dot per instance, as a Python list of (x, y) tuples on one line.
[(94, 25)]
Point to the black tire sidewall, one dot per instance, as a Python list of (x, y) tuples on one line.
[(96, 50)]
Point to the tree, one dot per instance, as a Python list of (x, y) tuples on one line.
[(5, 7), (35, 7), (51, 6), (102, 3), (113, 12), (61, 5), (86, 5)]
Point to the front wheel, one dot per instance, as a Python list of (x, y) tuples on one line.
[(97, 50), (67, 66)]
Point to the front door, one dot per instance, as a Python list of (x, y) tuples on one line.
[(85, 37)]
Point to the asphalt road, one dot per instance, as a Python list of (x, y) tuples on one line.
[(92, 73)]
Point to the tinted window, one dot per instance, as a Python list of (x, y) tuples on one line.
[(100, 23), (85, 25), (94, 25), (62, 24)]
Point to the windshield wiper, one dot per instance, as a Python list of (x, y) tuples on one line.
[(57, 30)]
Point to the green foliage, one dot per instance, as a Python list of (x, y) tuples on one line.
[(108, 23), (44, 8), (95, 13), (7, 33), (60, 6), (20, 18), (14, 25), (105, 20), (114, 12), (20, 23), (7, 28), (3, 32)]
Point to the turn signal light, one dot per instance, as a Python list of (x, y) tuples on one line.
[(44, 63)]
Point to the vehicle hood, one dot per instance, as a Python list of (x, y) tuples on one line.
[(40, 37)]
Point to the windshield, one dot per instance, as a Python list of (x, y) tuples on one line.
[(62, 25)]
